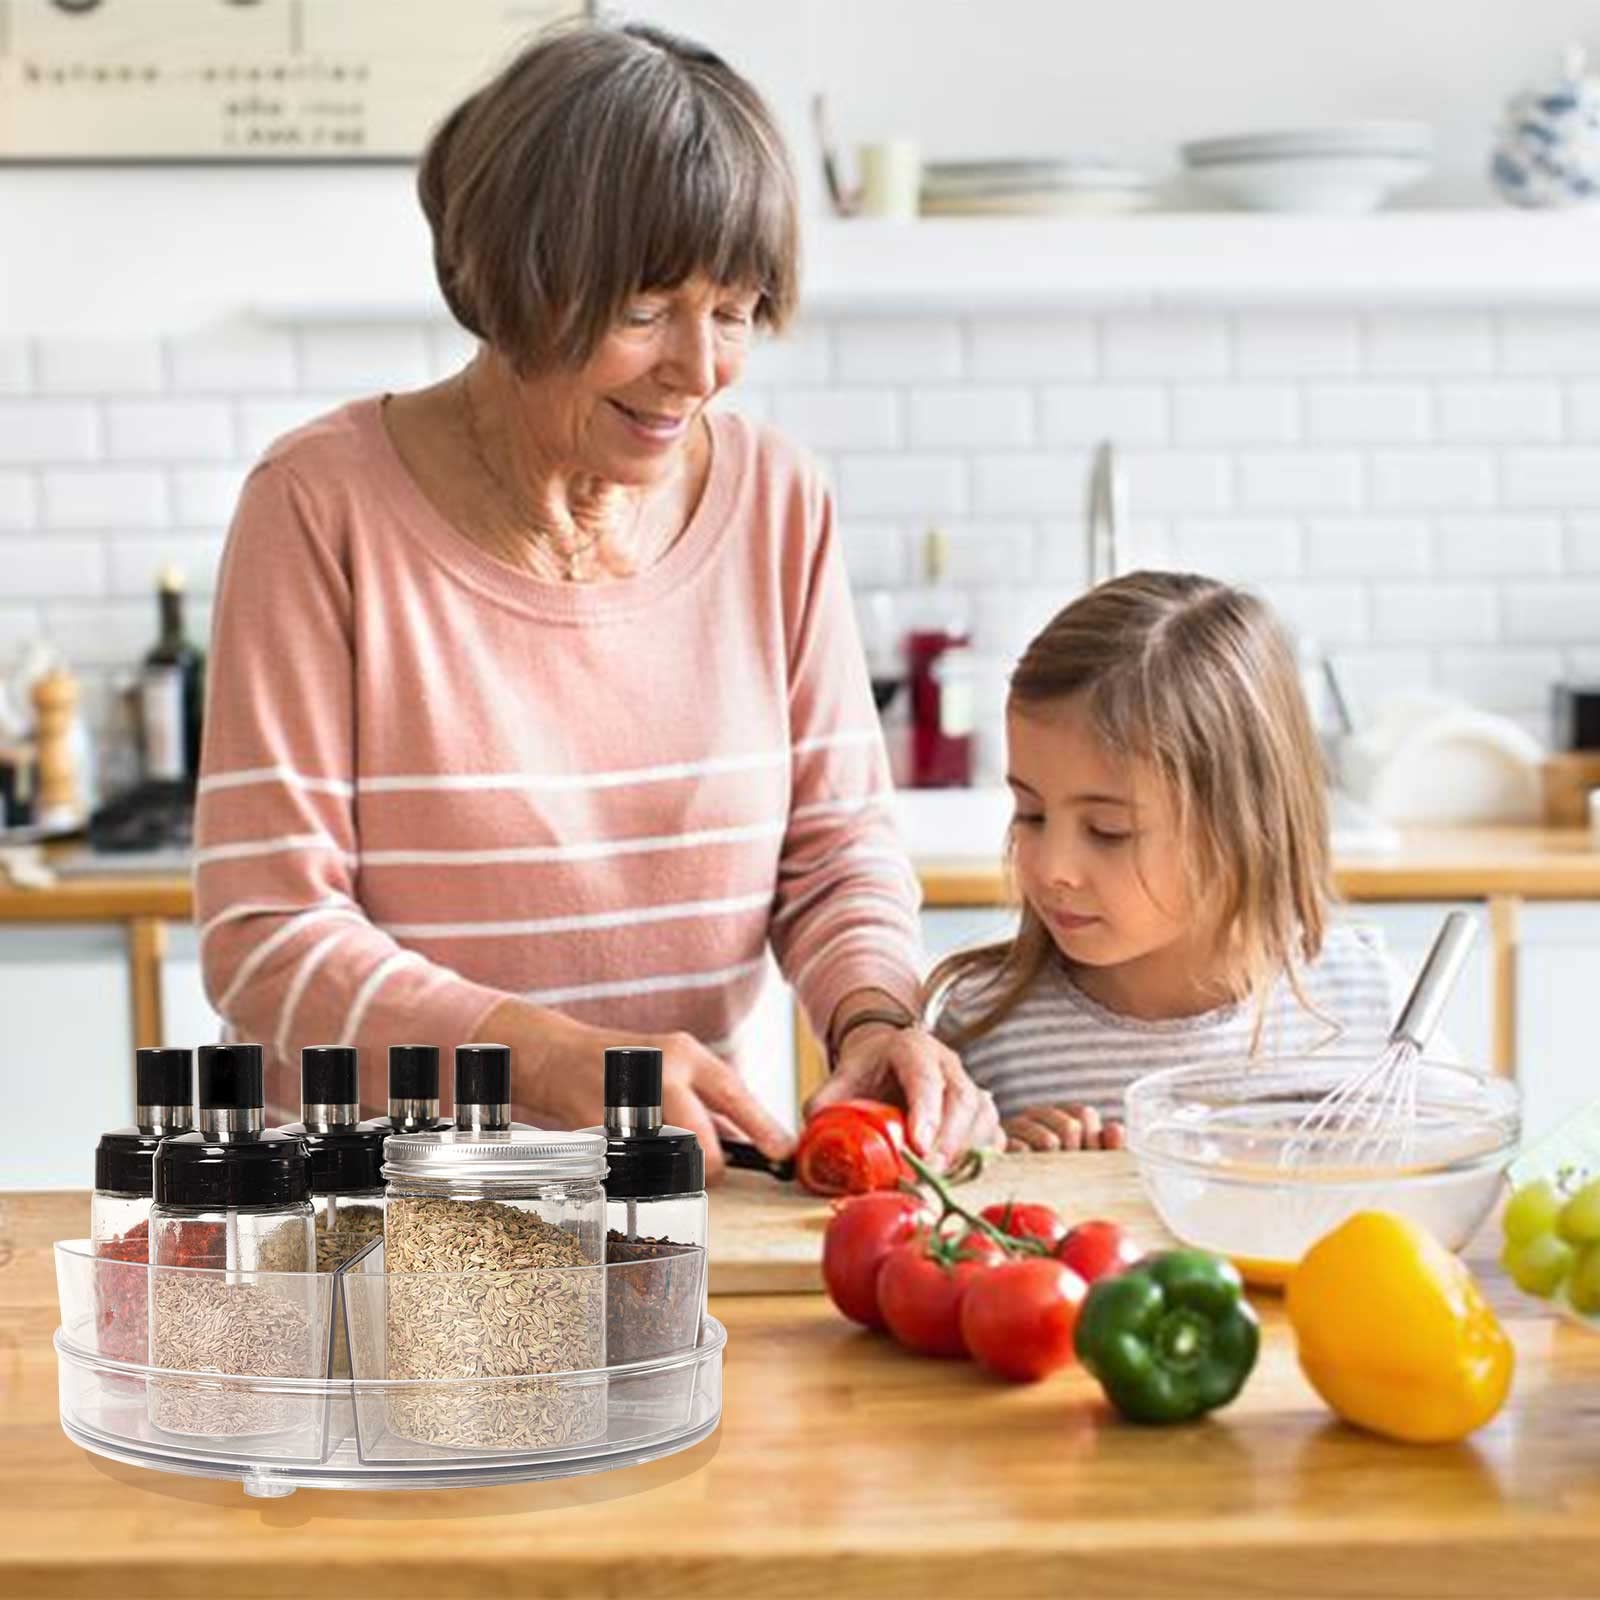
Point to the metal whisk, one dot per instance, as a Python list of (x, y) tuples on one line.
[(1370, 1118)]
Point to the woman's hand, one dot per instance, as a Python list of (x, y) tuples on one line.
[(947, 1112), (560, 1081), (1070, 1127)]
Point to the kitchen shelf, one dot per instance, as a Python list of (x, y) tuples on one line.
[(1159, 260), (155, 250)]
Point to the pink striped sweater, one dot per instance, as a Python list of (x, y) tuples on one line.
[(431, 781)]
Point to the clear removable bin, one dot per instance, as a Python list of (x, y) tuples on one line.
[(336, 1433), (279, 1320), (539, 1410), (657, 1287)]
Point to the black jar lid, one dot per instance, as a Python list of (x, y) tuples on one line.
[(123, 1160), (229, 1078), (413, 1072), (483, 1075), (330, 1075), (648, 1159), (345, 1161), (259, 1171), (651, 1165), (164, 1077)]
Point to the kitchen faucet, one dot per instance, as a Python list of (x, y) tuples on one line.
[(1107, 514)]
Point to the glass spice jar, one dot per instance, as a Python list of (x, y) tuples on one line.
[(494, 1247), (346, 1154), (656, 1216), (233, 1198), (119, 1208)]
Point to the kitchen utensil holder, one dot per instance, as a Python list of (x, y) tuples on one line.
[(339, 1432)]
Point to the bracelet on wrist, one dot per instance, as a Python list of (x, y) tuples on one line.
[(859, 1019)]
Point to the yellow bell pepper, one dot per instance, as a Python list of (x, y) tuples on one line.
[(1394, 1333)]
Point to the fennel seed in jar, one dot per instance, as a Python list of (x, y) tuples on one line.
[(499, 1302)]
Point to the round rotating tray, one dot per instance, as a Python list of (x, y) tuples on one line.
[(654, 1409)]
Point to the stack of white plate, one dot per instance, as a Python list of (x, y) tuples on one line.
[(1350, 167), (1030, 188)]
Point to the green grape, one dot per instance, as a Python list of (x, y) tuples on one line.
[(1580, 1216), (1583, 1288), (1531, 1211), (1539, 1265)]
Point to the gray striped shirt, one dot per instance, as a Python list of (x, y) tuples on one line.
[(1060, 1047)]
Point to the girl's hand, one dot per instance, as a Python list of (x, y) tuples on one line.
[(1071, 1127), (946, 1112)]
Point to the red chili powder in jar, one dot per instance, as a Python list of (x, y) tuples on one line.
[(120, 1305), (122, 1308)]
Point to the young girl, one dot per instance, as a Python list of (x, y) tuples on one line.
[(1170, 845)]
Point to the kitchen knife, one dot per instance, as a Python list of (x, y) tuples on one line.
[(741, 1154)]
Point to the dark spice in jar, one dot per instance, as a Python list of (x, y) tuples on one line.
[(653, 1305)]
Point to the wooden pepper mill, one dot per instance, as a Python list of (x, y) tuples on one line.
[(55, 704)]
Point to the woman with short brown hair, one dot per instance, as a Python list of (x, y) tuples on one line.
[(537, 710)]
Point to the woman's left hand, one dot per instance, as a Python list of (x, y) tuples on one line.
[(947, 1112)]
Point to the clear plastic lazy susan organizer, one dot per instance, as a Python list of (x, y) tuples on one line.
[(364, 1379)]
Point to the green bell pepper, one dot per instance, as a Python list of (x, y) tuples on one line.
[(1170, 1338)]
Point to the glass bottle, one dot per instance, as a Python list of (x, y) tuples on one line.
[(494, 1252), (119, 1209), (233, 1199), (234, 1194), (346, 1154), (172, 695), (656, 1215), (941, 725)]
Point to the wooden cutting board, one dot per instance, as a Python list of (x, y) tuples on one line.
[(766, 1236)]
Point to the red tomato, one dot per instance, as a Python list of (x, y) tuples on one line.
[(1026, 1220), (1097, 1249), (851, 1147), (887, 1119), (920, 1297), (979, 1246), (1018, 1319), (860, 1234), (845, 1154)]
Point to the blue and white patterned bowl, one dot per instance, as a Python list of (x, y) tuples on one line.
[(1547, 152)]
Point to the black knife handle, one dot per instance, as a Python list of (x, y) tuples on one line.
[(741, 1154)]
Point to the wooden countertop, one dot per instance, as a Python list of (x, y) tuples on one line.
[(111, 897), (845, 1467), (1431, 864)]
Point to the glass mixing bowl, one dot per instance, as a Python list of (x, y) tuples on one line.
[(1229, 1161)]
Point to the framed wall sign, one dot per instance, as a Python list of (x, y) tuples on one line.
[(246, 80)]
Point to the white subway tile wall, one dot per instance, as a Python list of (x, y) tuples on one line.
[(1417, 490)]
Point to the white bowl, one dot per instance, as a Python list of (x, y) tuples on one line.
[(1346, 184), (1352, 138), (1222, 1152)]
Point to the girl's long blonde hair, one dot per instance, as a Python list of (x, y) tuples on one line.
[(1198, 680)]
